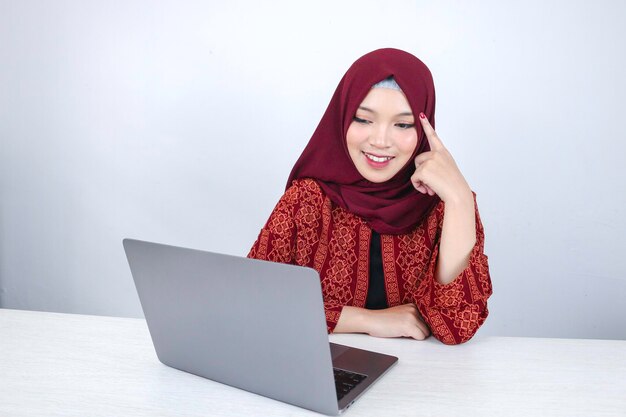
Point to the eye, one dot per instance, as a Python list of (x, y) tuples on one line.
[(405, 125), (361, 121)]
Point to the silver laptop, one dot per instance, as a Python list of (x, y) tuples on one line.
[(256, 325)]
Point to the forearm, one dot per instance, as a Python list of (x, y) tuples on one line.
[(352, 320), (398, 321), (458, 237)]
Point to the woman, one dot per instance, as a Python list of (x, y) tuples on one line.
[(378, 207)]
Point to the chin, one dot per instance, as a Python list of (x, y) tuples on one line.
[(377, 179)]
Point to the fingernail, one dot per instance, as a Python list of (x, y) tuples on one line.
[(422, 115)]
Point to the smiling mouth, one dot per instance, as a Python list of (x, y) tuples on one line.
[(378, 159)]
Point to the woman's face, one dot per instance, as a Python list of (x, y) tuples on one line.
[(382, 136)]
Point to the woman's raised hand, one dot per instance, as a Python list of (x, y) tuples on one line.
[(435, 170)]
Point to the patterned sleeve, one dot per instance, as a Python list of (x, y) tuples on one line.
[(455, 311), (276, 241)]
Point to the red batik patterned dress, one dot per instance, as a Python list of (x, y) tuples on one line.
[(307, 229)]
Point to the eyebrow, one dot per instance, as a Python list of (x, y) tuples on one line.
[(406, 113)]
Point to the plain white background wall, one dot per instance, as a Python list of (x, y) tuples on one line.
[(179, 121)]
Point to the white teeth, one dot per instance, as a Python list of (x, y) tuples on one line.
[(378, 158)]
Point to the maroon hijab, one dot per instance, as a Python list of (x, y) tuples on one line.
[(391, 207)]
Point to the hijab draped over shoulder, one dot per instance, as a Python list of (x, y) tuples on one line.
[(391, 207)]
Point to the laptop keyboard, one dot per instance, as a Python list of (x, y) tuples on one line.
[(345, 381)]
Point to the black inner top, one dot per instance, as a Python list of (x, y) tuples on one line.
[(376, 296)]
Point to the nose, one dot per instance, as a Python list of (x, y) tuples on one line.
[(380, 137)]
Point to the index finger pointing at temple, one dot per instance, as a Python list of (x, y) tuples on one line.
[(433, 140)]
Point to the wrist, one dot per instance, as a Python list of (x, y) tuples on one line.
[(463, 198)]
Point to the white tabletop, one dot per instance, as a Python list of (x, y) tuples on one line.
[(73, 365)]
